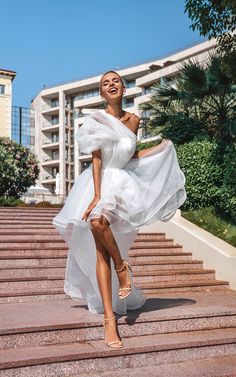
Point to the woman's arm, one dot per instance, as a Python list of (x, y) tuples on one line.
[(97, 168), (142, 152), (97, 171)]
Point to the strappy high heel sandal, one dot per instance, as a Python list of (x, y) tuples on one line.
[(114, 343), (128, 289)]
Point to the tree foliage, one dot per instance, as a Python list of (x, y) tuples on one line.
[(216, 19), (204, 93), (18, 168)]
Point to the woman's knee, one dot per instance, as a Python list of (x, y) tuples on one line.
[(99, 224)]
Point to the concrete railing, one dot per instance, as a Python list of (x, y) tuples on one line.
[(215, 253)]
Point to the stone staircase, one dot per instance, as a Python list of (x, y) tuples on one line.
[(186, 328)]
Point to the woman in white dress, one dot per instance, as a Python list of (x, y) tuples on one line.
[(118, 193)]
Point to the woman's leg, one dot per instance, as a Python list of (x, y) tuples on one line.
[(100, 228), (103, 271)]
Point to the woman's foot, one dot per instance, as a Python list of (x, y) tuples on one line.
[(112, 338), (124, 279)]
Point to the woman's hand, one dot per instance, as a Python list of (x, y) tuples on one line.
[(90, 207)]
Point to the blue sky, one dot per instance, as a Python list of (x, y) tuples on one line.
[(51, 41)]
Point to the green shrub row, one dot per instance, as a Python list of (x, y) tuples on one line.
[(210, 177)]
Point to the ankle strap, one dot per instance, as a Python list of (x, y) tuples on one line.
[(108, 319), (123, 266)]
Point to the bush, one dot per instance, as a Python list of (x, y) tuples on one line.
[(43, 204), (18, 168), (203, 177), (182, 129), (148, 144), (10, 202), (225, 204), (229, 167), (208, 219)]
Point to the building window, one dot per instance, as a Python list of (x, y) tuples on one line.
[(55, 102), (129, 102), (2, 89), (23, 126), (130, 84), (54, 172), (55, 120), (55, 138)]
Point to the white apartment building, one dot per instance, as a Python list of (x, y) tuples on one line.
[(6, 78), (60, 110)]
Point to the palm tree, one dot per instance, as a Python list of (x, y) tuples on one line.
[(202, 92)]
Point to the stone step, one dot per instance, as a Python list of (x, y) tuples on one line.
[(172, 275), (150, 244), (150, 251), (42, 297), (155, 349), (24, 214), (47, 249), (13, 274), (37, 323), (13, 238), (27, 238), (182, 286), (26, 295), (164, 256), (39, 286), (23, 230), (224, 366), (42, 262), (147, 249), (34, 283), (31, 246), (25, 222), (30, 225), (9, 273), (33, 262), (166, 265), (33, 253), (150, 236)]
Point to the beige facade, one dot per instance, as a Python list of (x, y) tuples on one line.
[(6, 78), (61, 109)]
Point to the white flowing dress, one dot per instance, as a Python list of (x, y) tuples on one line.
[(134, 192)]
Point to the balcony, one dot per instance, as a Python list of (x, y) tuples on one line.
[(48, 179), (131, 92), (142, 99), (50, 162), (50, 126), (50, 110), (85, 157), (89, 101), (51, 144)]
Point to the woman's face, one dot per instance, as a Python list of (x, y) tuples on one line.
[(111, 86)]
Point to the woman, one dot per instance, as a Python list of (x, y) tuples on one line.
[(122, 190)]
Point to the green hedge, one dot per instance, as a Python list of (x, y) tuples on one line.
[(182, 129), (10, 202), (203, 176)]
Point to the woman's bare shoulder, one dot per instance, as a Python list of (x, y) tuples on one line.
[(133, 118)]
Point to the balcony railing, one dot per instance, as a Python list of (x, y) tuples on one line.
[(48, 177), (77, 114), (50, 159), (52, 141), (50, 106)]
